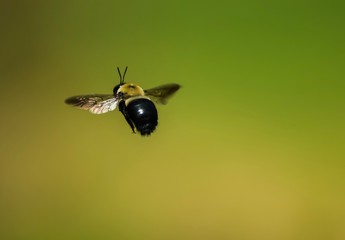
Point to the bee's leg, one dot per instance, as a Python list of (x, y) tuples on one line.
[(123, 110)]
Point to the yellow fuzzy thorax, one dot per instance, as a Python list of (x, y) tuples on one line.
[(130, 90)]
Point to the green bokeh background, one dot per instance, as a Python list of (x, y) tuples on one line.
[(252, 147)]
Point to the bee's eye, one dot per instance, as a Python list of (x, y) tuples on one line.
[(116, 88)]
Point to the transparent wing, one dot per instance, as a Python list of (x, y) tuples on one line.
[(161, 94), (96, 104)]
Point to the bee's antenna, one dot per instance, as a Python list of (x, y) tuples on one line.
[(118, 70), (122, 78), (124, 74)]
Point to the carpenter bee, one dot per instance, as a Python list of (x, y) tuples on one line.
[(135, 103)]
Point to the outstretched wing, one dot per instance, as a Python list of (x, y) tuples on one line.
[(97, 103), (161, 94)]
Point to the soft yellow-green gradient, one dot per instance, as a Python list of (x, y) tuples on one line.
[(252, 146)]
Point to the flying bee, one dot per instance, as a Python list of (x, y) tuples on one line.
[(135, 103)]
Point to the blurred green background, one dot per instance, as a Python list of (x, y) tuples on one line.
[(252, 146)]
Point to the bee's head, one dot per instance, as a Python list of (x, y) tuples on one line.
[(116, 88), (122, 80)]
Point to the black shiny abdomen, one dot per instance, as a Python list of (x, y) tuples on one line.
[(143, 113)]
